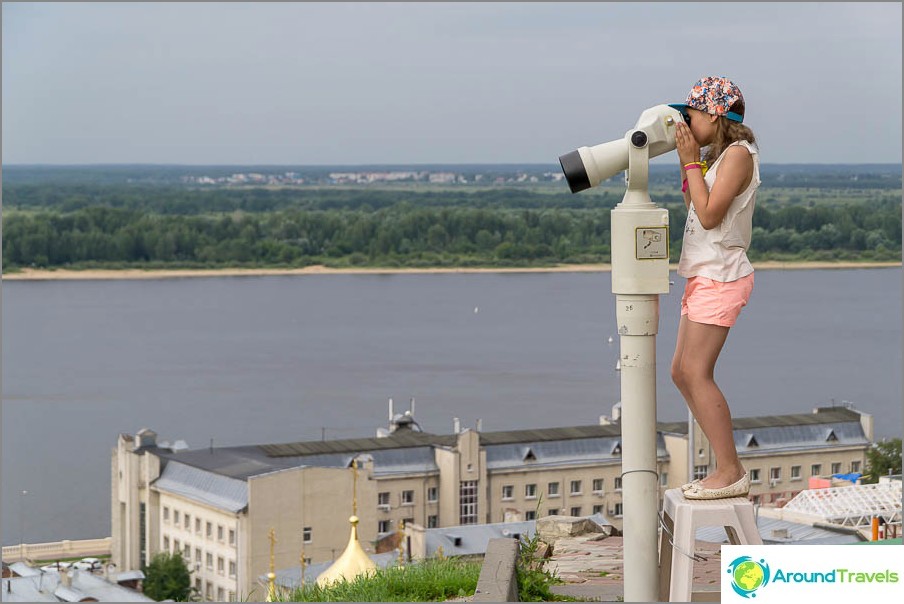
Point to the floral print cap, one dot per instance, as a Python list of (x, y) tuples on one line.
[(713, 95)]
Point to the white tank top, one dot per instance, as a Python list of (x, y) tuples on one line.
[(720, 253)]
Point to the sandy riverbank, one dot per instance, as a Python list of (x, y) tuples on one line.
[(62, 274)]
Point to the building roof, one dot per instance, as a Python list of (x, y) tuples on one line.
[(821, 415), (778, 531), (47, 587), (472, 539), (202, 486), (407, 451), (553, 453)]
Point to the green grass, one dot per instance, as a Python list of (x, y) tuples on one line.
[(432, 580)]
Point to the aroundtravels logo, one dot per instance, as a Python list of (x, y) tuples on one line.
[(748, 575)]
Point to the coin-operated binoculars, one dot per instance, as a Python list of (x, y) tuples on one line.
[(640, 272)]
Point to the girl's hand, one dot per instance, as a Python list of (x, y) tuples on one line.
[(686, 144)]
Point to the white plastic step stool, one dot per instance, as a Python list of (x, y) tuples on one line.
[(681, 519)]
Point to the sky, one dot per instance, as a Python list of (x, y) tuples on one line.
[(434, 83)]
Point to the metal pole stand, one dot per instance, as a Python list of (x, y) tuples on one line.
[(640, 272)]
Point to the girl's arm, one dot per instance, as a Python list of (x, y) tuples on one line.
[(735, 172), (687, 191)]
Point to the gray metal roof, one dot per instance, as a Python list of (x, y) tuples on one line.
[(776, 531), (791, 437), (46, 587), (204, 487), (553, 453), (406, 451), (470, 540), (823, 415)]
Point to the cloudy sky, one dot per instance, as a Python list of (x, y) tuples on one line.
[(402, 83)]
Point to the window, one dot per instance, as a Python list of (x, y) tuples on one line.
[(209, 561), (197, 526), (232, 596), (575, 487), (232, 568), (432, 494), (530, 491), (166, 544), (220, 532), (576, 511), (307, 534), (700, 472), (142, 534), (553, 489), (221, 565), (530, 515), (508, 491), (597, 509), (597, 485), (383, 499), (209, 590), (795, 472), (209, 530), (188, 522), (618, 483), (231, 536), (468, 502), (836, 468), (198, 555), (553, 512), (165, 514), (220, 594), (186, 552), (198, 585), (816, 469), (664, 479), (432, 521), (383, 526), (775, 474), (755, 475), (855, 466), (618, 510), (407, 497), (408, 521), (176, 516), (177, 546)]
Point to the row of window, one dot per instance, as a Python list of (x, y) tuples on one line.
[(775, 473), (617, 511), (207, 559), (552, 489), (208, 592), (406, 497), (184, 521)]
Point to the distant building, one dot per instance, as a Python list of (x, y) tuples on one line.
[(217, 505)]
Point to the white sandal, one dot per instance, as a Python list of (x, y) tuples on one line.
[(738, 489)]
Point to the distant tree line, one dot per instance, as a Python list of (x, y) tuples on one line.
[(379, 233)]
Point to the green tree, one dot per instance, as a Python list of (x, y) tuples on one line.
[(883, 458), (167, 578)]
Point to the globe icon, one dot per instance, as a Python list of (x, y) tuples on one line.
[(748, 575)]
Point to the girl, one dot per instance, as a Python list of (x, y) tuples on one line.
[(720, 202)]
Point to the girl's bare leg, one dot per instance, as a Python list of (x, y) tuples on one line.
[(696, 352)]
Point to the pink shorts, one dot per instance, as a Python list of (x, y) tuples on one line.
[(715, 302)]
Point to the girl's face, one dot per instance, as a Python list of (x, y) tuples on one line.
[(703, 126)]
